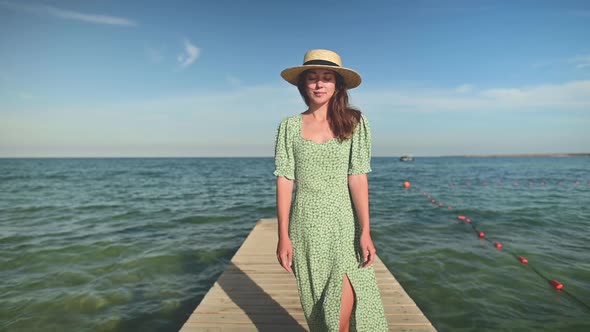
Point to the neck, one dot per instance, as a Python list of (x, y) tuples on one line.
[(319, 112)]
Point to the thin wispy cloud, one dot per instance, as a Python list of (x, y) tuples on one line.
[(69, 14), (234, 81), (178, 120), (544, 63), (190, 54), (155, 55), (568, 96), (574, 95), (580, 13), (581, 61), (25, 95), (197, 121), (464, 88)]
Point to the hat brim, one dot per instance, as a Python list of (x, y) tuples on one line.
[(352, 79)]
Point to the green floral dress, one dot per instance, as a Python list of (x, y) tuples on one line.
[(323, 226)]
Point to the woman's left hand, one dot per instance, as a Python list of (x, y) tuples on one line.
[(368, 249)]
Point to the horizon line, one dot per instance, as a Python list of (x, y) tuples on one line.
[(523, 155)]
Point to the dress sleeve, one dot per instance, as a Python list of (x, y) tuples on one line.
[(284, 162), (360, 149)]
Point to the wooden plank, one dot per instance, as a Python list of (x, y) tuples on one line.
[(254, 293)]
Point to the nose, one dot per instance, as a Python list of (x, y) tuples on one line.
[(319, 83)]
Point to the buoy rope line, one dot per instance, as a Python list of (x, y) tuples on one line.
[(517, 183), (499, 246)]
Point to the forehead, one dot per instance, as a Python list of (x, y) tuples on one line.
[(319, 71)]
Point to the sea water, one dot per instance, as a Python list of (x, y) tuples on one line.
[(128, 244)]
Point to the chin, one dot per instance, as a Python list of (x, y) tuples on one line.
[(319, 101)]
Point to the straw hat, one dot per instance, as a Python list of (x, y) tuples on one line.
[(323, 59)]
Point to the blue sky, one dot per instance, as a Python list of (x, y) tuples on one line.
[(201, 78)]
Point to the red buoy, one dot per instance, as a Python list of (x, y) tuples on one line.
[(468, 220), (406, 184), (461, 217), (433, 201), (481, 235), (523, 260), (556, 284), (498, 245), (440, 204)]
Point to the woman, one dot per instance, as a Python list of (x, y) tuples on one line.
[(324, 238)]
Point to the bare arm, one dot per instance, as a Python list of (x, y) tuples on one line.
[(284, 196), (359, 189)]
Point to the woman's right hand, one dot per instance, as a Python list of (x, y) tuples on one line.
[(285, 253)]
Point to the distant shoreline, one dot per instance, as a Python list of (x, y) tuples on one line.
[(520, 155), (516, 155)]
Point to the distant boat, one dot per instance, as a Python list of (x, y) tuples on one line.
[(406, 157)]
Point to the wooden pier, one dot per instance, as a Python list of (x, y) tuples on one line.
[(255, 293)]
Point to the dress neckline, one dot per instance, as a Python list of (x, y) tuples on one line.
[(308, 140)]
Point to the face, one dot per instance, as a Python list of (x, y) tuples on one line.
[(320, 85)]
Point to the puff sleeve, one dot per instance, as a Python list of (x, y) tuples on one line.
[(284, 161), (360, 149)]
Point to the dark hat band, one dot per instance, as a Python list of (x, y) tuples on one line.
[(321, 62)]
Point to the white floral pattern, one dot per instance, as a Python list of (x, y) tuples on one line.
[(323, 227)]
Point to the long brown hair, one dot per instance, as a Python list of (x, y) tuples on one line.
[(341, 116)]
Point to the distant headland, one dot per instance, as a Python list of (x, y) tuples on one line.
[(528, 155)]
